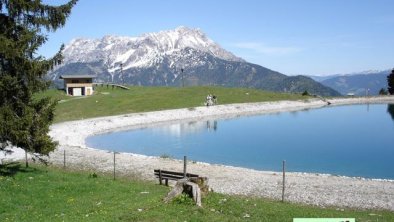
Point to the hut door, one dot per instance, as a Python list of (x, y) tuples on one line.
[(77, 92)]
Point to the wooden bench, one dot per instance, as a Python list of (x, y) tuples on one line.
[(170, 175)]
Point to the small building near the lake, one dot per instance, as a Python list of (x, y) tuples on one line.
[(78, 85)]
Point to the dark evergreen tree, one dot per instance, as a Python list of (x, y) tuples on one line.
[(24, 118), (390, 82), (382, 91)]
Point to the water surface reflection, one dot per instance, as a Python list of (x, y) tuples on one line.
[(346, 140), (390, 110)]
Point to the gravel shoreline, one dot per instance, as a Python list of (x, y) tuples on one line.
[(315, 189)]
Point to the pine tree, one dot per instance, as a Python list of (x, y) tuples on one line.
[(25, 119), (390, 82), (382, 91)]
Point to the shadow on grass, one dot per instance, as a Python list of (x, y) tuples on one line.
[(12, 168)]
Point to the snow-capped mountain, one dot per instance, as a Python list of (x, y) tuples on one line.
[(144, 51), (174, 57)]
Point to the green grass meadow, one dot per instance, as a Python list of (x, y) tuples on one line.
[(108, 101), (41, 193)]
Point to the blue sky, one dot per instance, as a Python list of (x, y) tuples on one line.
[(312, 37)]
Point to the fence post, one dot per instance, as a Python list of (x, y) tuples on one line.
[(284, 175), (27, 163), (64, 159), (184, 166), (114, 164)]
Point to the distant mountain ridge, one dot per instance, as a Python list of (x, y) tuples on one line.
[(143, 51), (358, 83), (172, 58)]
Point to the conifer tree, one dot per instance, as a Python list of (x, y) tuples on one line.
[(25, 119), (382, 91), (390, 82)]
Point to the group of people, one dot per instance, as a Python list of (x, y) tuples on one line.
[(211, 100)]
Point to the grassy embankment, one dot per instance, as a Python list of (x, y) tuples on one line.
[(116, 101), (51, 194)]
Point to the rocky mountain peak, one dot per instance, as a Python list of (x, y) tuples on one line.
[(142, 51)]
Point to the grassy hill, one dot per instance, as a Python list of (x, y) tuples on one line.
[(108, 101), (43, 193)]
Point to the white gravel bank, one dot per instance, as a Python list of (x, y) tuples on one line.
[(321, 190)]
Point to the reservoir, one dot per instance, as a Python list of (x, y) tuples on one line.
[(352, 140)]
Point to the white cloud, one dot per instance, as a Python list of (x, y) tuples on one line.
[(262, 48)]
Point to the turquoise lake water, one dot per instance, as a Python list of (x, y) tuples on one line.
[(356, 140)]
